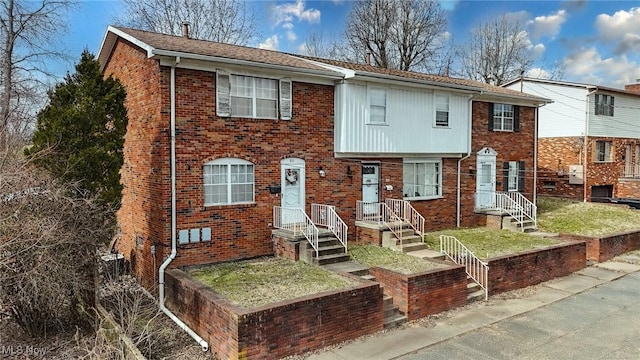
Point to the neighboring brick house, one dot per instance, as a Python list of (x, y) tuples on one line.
[(588, 139), (255, 129)]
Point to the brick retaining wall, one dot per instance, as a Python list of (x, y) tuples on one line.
[(421, 294), (609, 246), (532, 267), (276, 330)]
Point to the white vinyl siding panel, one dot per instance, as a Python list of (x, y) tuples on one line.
[(410, 118), (625, 122), (565, 116)]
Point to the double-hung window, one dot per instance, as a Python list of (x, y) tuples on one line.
[(252, 97), (503, 117), (514, 175), (442, 110), (422, 179), (603, 151), (377, 106), (228, 181), (604, 105)]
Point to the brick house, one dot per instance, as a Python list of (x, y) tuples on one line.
[(220, 135), (589, 139)]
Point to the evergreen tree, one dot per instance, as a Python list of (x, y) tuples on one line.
[(80, 134)]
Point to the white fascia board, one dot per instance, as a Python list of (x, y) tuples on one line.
[(515, 100), (109, 41), (378, 155), (223, 60), (346, 73), (392, 79)]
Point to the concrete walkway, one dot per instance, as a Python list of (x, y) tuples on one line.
[(413, 337)]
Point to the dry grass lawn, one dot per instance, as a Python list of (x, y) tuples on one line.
[(589, 219), (486, 243), (259, 282), (393, 260)]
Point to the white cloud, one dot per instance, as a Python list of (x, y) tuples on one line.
[(291, 36), (287, 26), (303, 49), (287, 13), (519, 17), (588, 66), (538, 73), (623, 29), (271, 43), (547, 25)]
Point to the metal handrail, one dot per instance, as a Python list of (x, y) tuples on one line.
[(404, 210), (325, 215), (513, 203), (297, 222), (381, 214), (630, 171), (475, 268)]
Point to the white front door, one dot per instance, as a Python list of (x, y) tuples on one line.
[(485, 178), (293, 197), (370, 187)]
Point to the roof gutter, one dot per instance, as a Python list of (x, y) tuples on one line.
[(174, 54), (174, 248)]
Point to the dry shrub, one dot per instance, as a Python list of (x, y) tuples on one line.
[(48, 241)]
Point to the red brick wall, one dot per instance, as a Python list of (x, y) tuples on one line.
[(554, 157), (556, 154), (632, 87), (285, 248), (607, 247), (510, 146), (421, 294), (367, 236), (535, 266), (628, 188), (143, 212), (278, 330)]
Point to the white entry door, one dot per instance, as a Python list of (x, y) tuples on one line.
[(370, 187), (485, 178), (293, 197)]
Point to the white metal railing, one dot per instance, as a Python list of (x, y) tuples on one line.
[(381, 214), (513, 203), (475, 268), (630, 171), (325, 215), (404, 210), (297, 221)]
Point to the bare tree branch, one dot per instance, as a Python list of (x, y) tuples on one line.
[(227, 21), (400, 34), (497, 51)]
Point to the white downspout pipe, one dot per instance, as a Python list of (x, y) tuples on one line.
[(465, 157), (174, 249), (585, 147), (535, 157)]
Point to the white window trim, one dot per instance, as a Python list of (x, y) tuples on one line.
[(425, 161), (607, 152), (386, 117), (502, 118), (228, 162), (604, 108), (283, 99), (435, 111), (512, 176)]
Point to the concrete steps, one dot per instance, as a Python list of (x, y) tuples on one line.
[(330, 250), (392, 315), (474, 291), (410, 240)]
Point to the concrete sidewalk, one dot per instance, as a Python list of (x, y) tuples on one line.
[(408, 339)]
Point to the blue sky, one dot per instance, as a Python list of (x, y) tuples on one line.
[(597, 41)]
